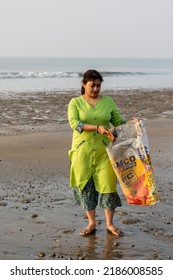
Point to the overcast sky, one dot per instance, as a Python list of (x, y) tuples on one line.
[(86, 28)]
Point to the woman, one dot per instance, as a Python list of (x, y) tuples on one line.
[(91, 175)]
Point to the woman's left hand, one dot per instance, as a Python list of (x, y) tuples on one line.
[(133, 120)]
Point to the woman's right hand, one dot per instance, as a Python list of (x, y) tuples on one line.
[(102, 130)]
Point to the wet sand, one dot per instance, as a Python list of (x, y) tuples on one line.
[(39, 219)]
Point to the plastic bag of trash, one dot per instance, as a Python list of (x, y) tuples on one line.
[(131, 161)]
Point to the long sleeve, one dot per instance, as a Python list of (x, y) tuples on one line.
[(73, 114)]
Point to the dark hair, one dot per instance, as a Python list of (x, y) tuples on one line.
[(90, 75)]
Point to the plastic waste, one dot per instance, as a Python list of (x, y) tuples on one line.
[(131, 161)]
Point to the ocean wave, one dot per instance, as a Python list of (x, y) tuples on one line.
[(36, 75), (123, 73)]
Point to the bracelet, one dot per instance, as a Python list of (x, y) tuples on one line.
[(97, 128)]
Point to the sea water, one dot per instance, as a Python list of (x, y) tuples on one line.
[(30, 74)]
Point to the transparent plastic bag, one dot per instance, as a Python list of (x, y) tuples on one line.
[(131, 161)]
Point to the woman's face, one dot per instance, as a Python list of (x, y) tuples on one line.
[(92, 88)]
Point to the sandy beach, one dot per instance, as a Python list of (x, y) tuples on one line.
[(39, 219)]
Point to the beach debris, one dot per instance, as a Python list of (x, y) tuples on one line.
[(121, 213), (41, 254), (25, 208), (40, 118), (118, 255), (60, 256), (3, 203), (25, 200), (99, 222), (81, 258), (155, 255), (34, 216), (130, 221), (67, 230), (116, 244), (53, 255)]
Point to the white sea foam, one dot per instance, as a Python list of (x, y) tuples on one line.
[(32, 75)]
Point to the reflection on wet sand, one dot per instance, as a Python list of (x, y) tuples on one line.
[(108, 248)]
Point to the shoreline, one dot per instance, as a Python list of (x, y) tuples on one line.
[(39, 217)]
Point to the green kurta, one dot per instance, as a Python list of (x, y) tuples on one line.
[(88, 156)]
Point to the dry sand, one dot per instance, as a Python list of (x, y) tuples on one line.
[(38, 216)]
